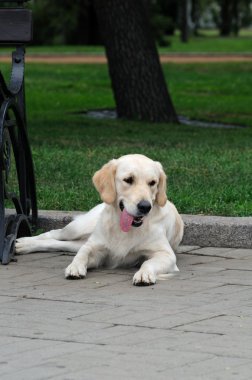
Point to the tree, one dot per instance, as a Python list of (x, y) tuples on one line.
[(65, 22), (226, 17), (233, 15), (137, 78), (197, 7), (184, 22)]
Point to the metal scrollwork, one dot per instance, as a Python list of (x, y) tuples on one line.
[(6, 154), (15, 161)]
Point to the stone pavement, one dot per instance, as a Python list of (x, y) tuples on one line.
[(195, 325)]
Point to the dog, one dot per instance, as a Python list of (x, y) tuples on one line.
[(135, 224)]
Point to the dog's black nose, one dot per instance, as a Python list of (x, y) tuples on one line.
[(144, 207)]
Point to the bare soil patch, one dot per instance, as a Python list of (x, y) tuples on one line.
[(101, 59)]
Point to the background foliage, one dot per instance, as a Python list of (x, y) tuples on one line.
[(74, 22)]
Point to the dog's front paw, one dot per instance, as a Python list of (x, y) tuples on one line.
[(76, 271), (144, 278)]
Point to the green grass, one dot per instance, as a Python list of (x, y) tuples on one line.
[(203, 44), (208, 42), (215, 92), (209, 170)]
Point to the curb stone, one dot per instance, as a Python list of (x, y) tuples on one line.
[(218, 231), (203, 231)]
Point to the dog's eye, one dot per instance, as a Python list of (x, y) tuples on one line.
[(129, 180), (152, 183)]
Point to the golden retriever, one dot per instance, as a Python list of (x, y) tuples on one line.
[(135, 224)]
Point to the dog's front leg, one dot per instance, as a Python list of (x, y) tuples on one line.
[(89, 255), (157, 263)]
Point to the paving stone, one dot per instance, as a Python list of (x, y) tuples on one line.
[(224, 252), (187, 248), (195, 325), (214, 368), (221, 324)]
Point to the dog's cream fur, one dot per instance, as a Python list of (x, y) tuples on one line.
[(96, 236)]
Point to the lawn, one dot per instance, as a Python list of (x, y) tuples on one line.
[(202, 44), (209, 170), (215, 92), (208, 42)]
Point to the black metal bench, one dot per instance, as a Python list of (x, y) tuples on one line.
[(17, 181)]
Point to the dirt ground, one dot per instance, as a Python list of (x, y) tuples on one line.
[(100, 58)]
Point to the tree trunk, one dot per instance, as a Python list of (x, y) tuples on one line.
[(184, 9), (235, 17), (195, 14), (137, 79), (79, 35), (226, 18)]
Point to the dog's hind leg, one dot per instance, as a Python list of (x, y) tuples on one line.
[(47, 245), (79, 229)]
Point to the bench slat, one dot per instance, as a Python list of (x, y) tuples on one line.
[(15, 25)]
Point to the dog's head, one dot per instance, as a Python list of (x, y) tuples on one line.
[(133, 183)]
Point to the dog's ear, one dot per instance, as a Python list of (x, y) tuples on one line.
[(161, 197), (104, 181)]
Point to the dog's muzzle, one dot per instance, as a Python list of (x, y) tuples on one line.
[(143, 209)]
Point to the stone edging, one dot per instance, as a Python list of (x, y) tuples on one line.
[(218, 231), (204, 231)]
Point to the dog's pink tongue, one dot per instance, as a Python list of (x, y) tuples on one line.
[(125, 221)]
